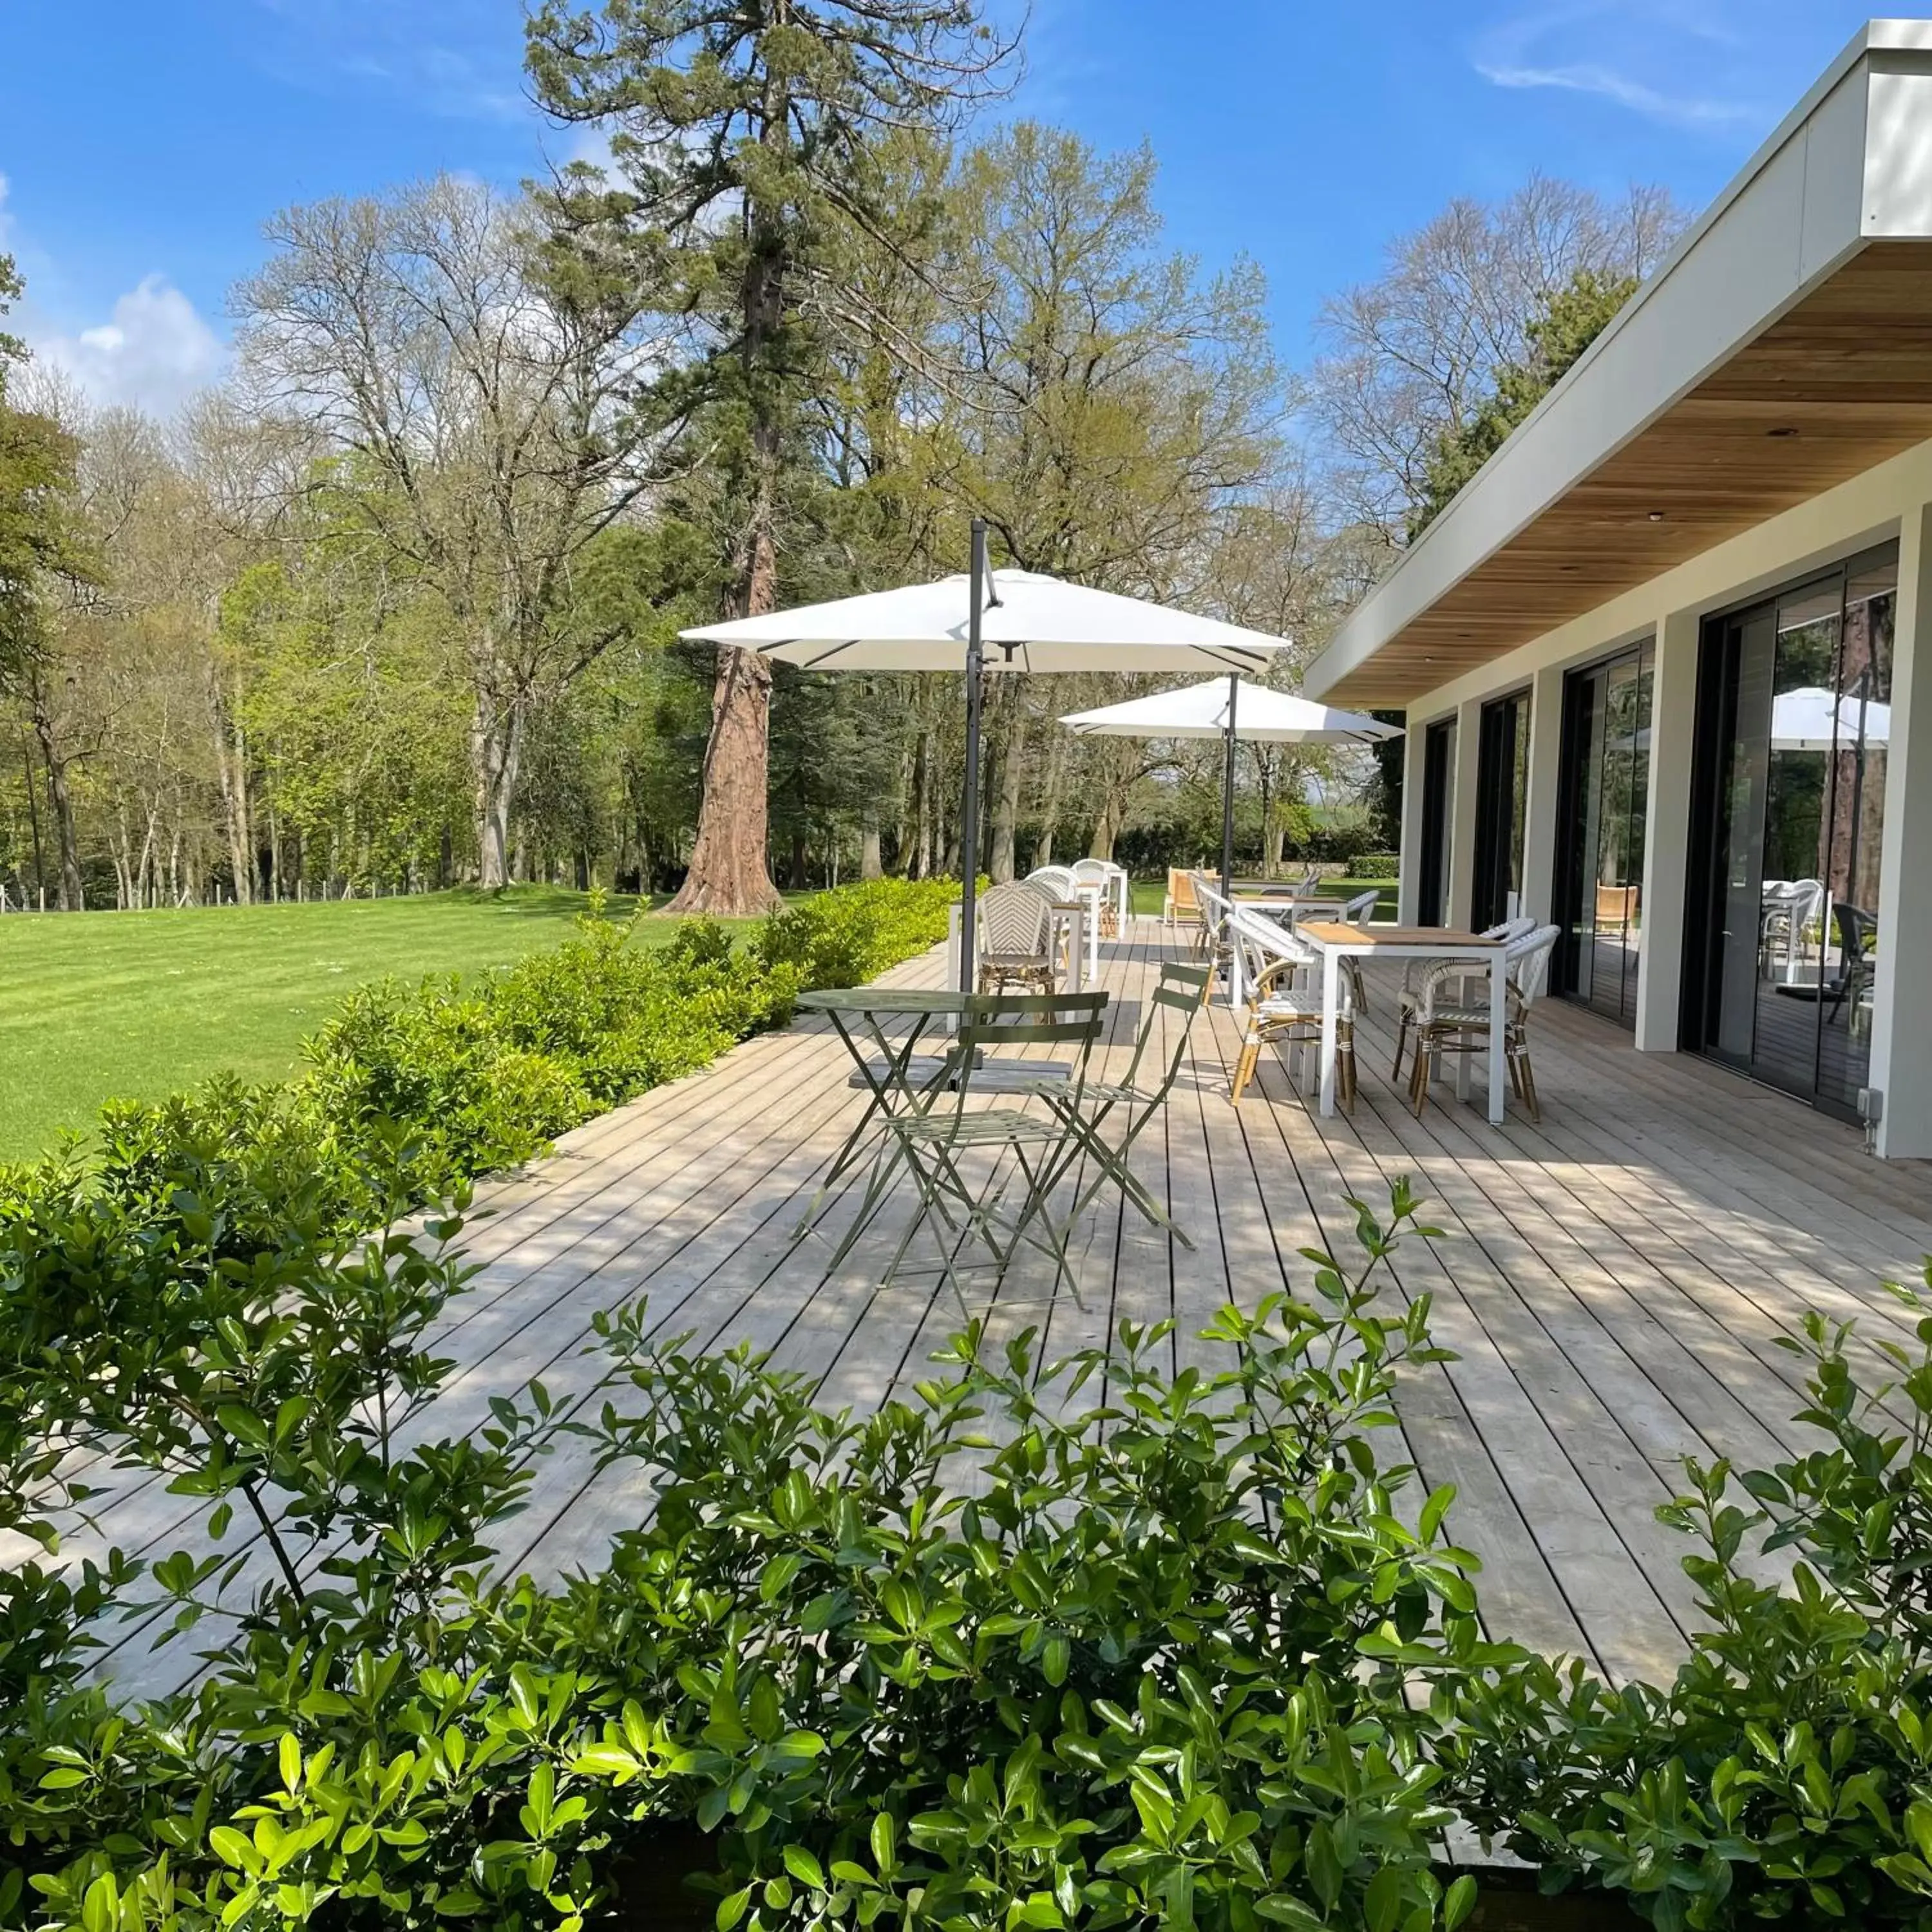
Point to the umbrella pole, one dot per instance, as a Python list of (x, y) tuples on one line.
[(969, 813), (1227, 793)]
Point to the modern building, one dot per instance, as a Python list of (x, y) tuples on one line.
[(1667, 661)]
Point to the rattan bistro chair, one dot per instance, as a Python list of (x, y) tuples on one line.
[(1284, 1002), (1418, 970), (1015, 932), (1359, 910), (1448, 1021)]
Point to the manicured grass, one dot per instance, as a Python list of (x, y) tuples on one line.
[(99, 1005), (1149, 893)]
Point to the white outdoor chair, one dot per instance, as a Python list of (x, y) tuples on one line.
[(1448, 1021), (1108, 877), (1058, 880), (1410, 997), (1213, 942), (1359, 911), (1280, 980), (1015, 939), (1789, 910)]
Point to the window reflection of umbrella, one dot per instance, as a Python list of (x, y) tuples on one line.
[(1811, 719), (1814, 719)]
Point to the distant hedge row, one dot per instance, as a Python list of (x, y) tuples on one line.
[(410, 1092)]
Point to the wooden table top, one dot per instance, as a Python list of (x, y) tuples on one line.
[(1336, 932)]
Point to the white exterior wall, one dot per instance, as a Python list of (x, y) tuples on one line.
[(1893, 500)]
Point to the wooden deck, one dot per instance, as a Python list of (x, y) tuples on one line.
[(1613, 1281)]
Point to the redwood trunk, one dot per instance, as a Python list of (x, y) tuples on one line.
[(730, 877)]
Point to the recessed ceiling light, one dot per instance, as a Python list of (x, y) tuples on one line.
[(1656, 516)]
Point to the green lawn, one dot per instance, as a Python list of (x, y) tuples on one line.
[(103, 1005), (1149, 893)]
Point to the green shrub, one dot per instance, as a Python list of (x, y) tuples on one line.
[(845, 937), (1786, 1773), (1093, 1644), (1374, 864)]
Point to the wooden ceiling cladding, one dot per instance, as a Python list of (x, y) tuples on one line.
[(1849, 369)]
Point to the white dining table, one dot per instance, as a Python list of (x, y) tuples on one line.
[(1335, 940)]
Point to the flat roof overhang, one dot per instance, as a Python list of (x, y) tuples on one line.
[(1785, 346)]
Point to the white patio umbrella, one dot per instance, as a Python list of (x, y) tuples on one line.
[(1231, 709), (992, 620), (1811, 719)]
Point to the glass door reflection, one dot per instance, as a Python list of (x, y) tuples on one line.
[(1604, 794), (1797, 694)]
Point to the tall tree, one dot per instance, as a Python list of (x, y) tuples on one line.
[(743, 142), (1411, 355), (39, 542), (1101, 403), (476, 379), (1568, 322)]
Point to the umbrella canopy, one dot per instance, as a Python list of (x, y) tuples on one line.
[(1810, 719), (1030, 622), (1001, 620), (1261, 716), (1230, 709)]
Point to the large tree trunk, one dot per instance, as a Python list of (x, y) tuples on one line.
[(231, 765), (73, 891), (495, 749), (922, 836), (1105, 827), (729, 876), (1049, 803), (871, 865)]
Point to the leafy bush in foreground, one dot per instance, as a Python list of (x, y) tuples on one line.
[(1786, 1773), (1096, 1645)]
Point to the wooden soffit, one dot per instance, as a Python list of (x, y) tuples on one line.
[(1840, 382)]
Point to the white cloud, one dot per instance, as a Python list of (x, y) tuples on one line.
[(154, 352), (1587, 77), (1632, 53)]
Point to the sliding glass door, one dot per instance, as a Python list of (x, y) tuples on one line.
[(1438, 805), (1793, 722), (1603, 798), (1502, 786)]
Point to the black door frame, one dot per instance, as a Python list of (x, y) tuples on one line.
[(1572, 862), (1438, 775), (1714, 731), (1501, 722)]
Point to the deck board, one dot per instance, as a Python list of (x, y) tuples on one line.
[(1614, 1280)]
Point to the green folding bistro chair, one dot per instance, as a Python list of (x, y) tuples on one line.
[(1086, 1108), (931, 1141)]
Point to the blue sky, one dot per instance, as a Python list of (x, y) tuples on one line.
[(142, 145)]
